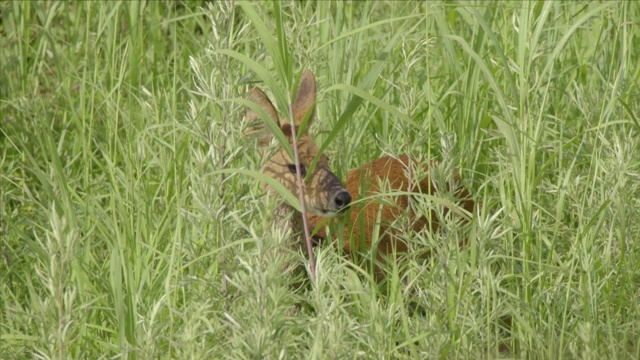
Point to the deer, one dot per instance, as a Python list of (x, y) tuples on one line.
[(327, 200)]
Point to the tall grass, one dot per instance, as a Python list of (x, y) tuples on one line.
[(130, 227)]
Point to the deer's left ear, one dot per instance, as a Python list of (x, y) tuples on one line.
[(254, 125), (305, 102)]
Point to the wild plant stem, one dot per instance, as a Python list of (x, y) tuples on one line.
[(223, 146), (305, 223)]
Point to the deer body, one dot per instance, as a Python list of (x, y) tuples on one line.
[(324, 194), (386, 175)]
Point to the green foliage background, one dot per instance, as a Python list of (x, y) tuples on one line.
[(129, 228)]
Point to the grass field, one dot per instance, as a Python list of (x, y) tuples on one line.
[(133, 226)]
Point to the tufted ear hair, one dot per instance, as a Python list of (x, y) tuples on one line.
[(255, 127), (305, 101)]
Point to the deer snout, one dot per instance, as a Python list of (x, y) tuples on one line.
[(342, 199)]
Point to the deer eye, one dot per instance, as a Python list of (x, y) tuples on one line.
[(303, 169)]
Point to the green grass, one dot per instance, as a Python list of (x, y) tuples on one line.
[(127, 229)]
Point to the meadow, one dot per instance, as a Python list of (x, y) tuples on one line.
[(133, 223)]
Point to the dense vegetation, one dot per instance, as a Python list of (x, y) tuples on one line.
[(129, 227)]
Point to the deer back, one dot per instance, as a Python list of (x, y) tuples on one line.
[(370, 210)]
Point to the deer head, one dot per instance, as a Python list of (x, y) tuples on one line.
[(324, 194)]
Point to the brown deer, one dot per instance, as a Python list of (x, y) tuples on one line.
[(324, 194)]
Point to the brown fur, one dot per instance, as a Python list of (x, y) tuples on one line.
[(384, 175), (322, 189)]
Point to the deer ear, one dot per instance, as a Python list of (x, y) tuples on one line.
[(255, 127), (305, 101)]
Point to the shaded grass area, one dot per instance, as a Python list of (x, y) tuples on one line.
[(129, 230)]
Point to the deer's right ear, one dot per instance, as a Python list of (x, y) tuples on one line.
[(305, 102), (254, 125)]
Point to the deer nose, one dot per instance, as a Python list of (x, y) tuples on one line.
[(342, 199)]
